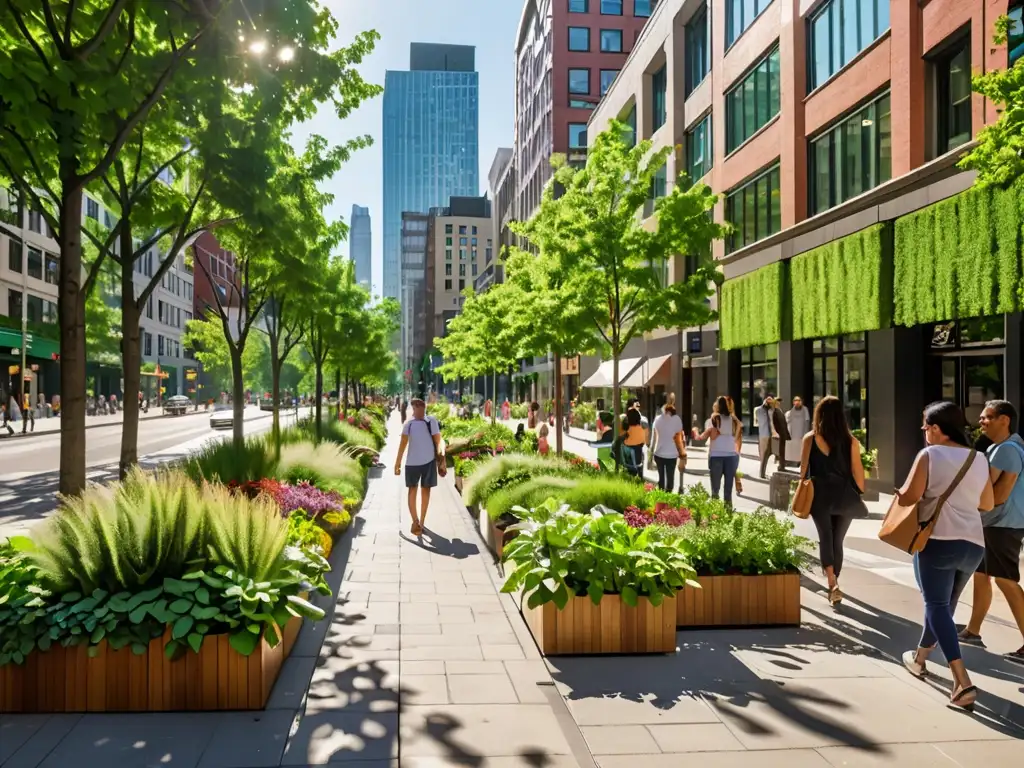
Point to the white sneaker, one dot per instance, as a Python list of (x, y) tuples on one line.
[(919, 671)]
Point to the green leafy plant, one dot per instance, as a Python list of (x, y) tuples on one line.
[(508, 469), (584, 414), (327, 466), (559, 554), (519, 410), (529, 492), (226, 462), (610, 491), (750, 310)]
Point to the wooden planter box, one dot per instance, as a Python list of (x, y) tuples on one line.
[(458, 484), (217, 678), (740, 601), (609, 627)]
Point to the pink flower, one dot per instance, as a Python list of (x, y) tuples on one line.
[(648, 486)]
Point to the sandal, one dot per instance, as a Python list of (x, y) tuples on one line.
[(835, 596), (966, 636), (1017, 657), (416, 530), (913, 666), (965, 699)]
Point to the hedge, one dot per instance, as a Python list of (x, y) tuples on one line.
[(843, 287), (959, 258), (751, 308)]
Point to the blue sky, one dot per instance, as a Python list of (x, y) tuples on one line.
[(490, 25)]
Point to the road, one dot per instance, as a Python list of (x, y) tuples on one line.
[(29, 466)]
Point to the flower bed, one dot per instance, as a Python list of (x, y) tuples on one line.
[(129, 592)]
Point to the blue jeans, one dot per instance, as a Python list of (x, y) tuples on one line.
[(943, 568), (727, 466)]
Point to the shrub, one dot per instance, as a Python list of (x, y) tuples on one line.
[(531, 492), (326, 466), (310, 499), (560, 554), (350, 434), (519, 410), (440, 411), (584, 414), (616, 492), (224, 462), (507, 469)]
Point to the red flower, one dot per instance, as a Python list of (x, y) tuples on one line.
[(648, 486)]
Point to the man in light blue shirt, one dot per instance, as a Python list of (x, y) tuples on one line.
[(422, 436), (1004, 525)]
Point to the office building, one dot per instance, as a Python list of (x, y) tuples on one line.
[(862, 263), (430, 144), (501, 180), (415, 327), (361, 246)]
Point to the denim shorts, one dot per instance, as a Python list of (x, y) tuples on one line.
[(422, 475)]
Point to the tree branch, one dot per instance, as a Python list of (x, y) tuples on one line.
[(69, 20), (51, 26), (90, 46), (28, 36)]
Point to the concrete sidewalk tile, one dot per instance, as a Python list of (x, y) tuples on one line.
[(529, 759), (102, 741), (442, 653), (780, 758), (466, 733), (422, 668), (292, 683), (420, 628), (342, 737), (417, 613), (249, 740), (693, 737), (455, 614), (433, 641), (507, 652), (619, 740), (474, 668), (481, 689), (424, 689), (616, 710), (363, 639), (990, 753), (25, 740), (923, 755)]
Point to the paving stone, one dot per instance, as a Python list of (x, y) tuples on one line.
[(25, 740), (923, 755), (525, 676), (694, 737), (507, 652), (292, 683), (420, 628), (424, 689), (779, 758), (474, 668), (342, 737), (614, 710), (531, 759), (418, 613), (465, 733), (481, 689), (442, 653), (619, 740), (249, 740)]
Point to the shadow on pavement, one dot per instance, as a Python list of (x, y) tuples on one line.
[(435, 543)]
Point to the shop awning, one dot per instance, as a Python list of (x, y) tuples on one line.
[(646, 373), (603, 376), (39, 348)]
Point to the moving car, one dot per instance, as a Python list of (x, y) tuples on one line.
[(223, 416), (177, 405)]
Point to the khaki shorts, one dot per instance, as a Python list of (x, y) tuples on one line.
[(764, 446)]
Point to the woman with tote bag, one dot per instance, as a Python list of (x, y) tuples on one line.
[(955, 478), (830, 459)]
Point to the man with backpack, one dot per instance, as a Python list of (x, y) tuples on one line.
[(1004, 525), (422, 436)]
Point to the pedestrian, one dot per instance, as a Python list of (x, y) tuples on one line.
[(668, 448), (520, 432), (947, 467), (28, 414), (531, 418), (487, 409), (1003, 526), (634, 404), (763, 417), (404, 411), (780, 435), (634, 438), (723, 457), (505, 408), (4, 419), (799, 421), (542, 440), (422, 436), (739, 441), (830, 458)]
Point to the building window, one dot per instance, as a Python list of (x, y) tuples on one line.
[(759, 377), (953, 83), (699, 155), (14, 303), (447, 229), (698, 49), (448, 254), (754, 210), (448, 241), (35, 263), (448, 270), (35, 221), (840, 369), (1015, 37), (579, 81), (473, 230), (659, 184), (611, 41), (463, 242), (841, 30), (753, 102), (35, 307), (611, 7), (52, 264), (474, 270), (643, 8), (579, 38), (852, 157), (631, 125), (92, 209), (462, 285), (579, 6), (447, 285), (462, 229), (462, 254), (14, 260), (740, 14), (577, 135), (659, 86), (462, 270), (581, 104), (607, 78)]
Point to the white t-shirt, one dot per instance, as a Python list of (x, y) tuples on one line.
[(725, 443), (960, 519), (666, 427), (421, 440)]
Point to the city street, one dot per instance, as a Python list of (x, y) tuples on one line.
[(28, 466)]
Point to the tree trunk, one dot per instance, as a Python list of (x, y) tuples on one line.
[(494, 396), (319, 395), (346, 394), (275, 392), (616, 408), (558, 403), (238, 394), (131, 364), (71, 318)]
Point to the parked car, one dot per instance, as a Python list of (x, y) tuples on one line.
[(223, 416), (177, 405)]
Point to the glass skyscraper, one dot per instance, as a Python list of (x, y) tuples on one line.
[(431, 141), (362, 242)]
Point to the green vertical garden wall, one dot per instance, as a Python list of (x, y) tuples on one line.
[(750, 311), (959, 258), (844, 286)]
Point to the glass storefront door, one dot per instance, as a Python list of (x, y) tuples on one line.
[(840, 368), (969, 365), (759, 377)]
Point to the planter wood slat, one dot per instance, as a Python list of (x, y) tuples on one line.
[(217, 678), (609, 627), (740, 601)]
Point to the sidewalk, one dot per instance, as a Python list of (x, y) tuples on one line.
[(422, 664)]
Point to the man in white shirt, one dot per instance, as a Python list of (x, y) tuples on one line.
[(422, 436)]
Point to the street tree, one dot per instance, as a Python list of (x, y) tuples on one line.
[(611, 265)]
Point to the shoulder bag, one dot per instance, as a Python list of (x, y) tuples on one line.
[(442, 466), (804, 497), (909, 526)]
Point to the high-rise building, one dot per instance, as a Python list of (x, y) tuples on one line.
[(431, 140), (414, 325), (501, 181), (861, 262), (361, 248)]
